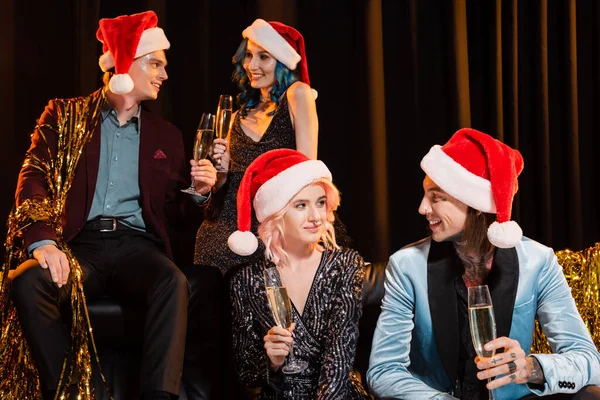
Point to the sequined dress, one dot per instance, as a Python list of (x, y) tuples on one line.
[(325, 335), (221, 216)]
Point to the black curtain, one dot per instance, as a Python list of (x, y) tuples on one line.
[(394, 78)]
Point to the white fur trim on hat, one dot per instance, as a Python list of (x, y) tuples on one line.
[(242, 243), (457, 181), (263, 34), (152, 39), (505, 235), (275, 193), (120, 84), (106, 61)]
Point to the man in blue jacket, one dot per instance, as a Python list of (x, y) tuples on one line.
[(422, 347)]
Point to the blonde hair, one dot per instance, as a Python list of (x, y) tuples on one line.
[(271, 229)]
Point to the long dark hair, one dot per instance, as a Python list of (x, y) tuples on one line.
[(474, 241)]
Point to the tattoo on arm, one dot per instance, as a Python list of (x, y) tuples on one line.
[(495, 361), (537, 374)]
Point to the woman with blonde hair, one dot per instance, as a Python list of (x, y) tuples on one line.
[(294, 200)]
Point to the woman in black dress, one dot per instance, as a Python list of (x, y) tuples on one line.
[(277, 110)]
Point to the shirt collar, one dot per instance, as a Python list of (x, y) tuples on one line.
[(107, 111)]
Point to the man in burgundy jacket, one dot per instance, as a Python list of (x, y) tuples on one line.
[(125, 192)]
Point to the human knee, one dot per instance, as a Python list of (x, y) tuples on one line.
[(176, 282), (27, 278)]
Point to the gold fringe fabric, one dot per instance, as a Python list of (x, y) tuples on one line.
[(19, 380), (582, 270)]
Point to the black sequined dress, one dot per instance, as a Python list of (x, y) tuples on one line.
[(325, 335), (220, 219)]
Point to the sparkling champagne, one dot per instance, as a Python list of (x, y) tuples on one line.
[(483, 328), (204, 139), (280, 304), (223, 123)]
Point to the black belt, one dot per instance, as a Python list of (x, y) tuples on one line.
[(105, 225)]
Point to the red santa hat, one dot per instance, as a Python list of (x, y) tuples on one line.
[(271, 181), (285, 43), (481, 172), (124, 39)]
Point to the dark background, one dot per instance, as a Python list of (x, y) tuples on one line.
[(394, 78)]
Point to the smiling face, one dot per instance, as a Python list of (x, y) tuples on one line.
[(148, 73), (260, 66), (445, 214), (305, 219)]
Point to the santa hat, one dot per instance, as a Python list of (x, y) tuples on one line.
[(481, 172), (272, 180), (124, 39), (285, 43)]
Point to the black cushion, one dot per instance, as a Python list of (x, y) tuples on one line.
[(373, 292)]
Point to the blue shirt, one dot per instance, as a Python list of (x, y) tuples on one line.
[(117, 191)]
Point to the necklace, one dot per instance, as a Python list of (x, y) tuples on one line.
[(264, 99)]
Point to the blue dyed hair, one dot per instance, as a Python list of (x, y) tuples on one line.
[(250, 97)]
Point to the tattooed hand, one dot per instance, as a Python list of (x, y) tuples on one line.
[(512, 364)]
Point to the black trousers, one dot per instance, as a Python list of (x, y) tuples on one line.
[(203, 358), (132, 267), (209, 370)]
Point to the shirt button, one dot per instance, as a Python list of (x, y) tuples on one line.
[(118, 135), (116, 158), (108, 207), (112, 183)]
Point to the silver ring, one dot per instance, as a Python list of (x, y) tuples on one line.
[(512, 367)]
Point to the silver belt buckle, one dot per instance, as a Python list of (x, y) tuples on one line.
[(114, 224)]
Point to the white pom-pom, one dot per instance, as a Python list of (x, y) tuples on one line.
[(120, 84), (106, 61), (242, 243), (505, 235)]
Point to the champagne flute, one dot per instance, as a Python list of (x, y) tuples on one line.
[(202, 142), (482, 322), (281, 307), (224, 121)]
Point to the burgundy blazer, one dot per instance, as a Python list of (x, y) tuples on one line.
[(163, 172)]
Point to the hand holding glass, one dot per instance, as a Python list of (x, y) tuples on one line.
[(482, 321), (281, 307), (202, 142), (224, 121)]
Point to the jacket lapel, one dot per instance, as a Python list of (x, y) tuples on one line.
[(92, 161), (441, 272), (503, 282), (147, 146)]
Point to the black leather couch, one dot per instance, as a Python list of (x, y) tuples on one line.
[(117, 332)]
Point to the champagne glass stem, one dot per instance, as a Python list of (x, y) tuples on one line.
[(290, 356)]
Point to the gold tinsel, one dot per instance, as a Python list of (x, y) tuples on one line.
[(19, 380), (582, 270)]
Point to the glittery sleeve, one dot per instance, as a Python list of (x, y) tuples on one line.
[(335, 381), (32, 181), (252, 364)]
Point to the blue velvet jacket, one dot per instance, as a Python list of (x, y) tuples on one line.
[(415, 346)]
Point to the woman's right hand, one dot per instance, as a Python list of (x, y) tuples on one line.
[(220, 154), (277, 344)]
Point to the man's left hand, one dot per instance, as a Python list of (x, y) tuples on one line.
[(204, 176), (513, 363)]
